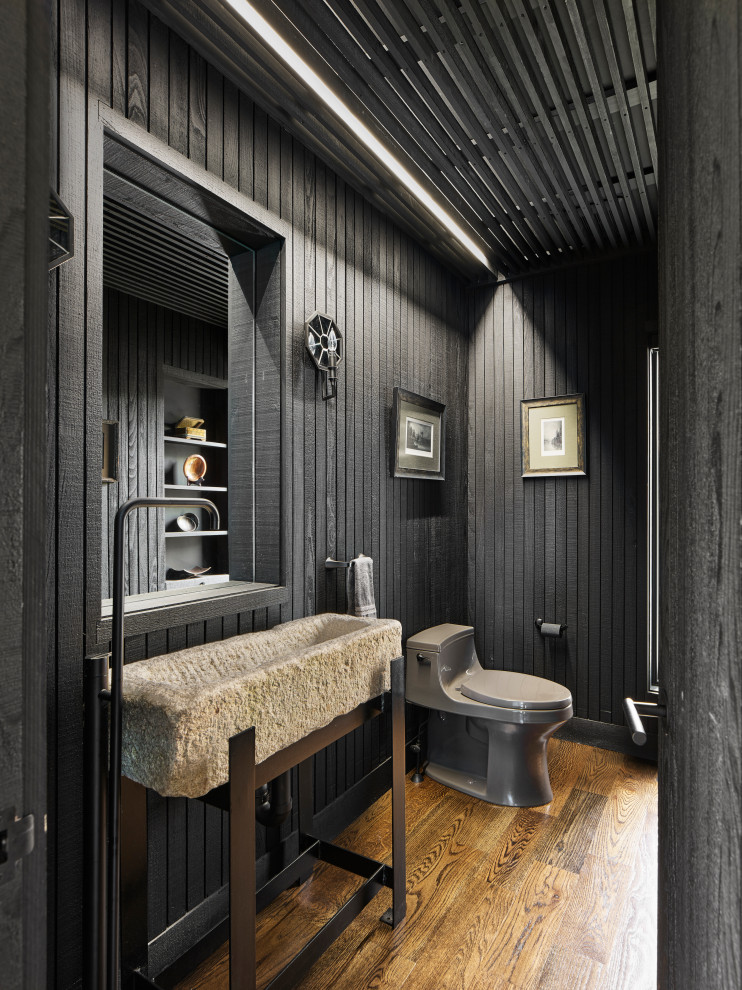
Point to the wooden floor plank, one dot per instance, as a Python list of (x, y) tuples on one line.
[(561, 897)]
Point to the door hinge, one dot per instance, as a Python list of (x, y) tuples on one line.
[(16, 841)]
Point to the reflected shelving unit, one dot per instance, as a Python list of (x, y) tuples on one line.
[(190, 393)]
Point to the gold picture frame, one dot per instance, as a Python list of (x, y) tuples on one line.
[(553, 436)]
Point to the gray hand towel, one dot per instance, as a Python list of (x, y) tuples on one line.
[(360, 588)]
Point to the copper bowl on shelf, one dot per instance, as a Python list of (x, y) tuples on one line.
[(194, 468)]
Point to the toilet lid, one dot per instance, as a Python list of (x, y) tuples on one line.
[(509, 689)]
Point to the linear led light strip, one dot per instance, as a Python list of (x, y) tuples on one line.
[(259, 24)]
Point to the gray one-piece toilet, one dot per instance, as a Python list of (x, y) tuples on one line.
[(488, 729)]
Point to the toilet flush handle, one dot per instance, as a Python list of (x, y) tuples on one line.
[(633, 709), (421, 658)]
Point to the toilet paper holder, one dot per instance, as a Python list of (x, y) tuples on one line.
[(550, 629)]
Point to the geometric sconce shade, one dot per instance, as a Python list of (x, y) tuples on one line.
[(325, 345)]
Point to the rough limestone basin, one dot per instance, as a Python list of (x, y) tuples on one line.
[(181, 709)]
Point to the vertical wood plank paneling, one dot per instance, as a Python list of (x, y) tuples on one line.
[(607, 386), (524, 292), (700, 924), (137, 64), (562, 548), (178, 64), (401, 314), (119, 52), (582, 661), (196, 108), (158, 78)]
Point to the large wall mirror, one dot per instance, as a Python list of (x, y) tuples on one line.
[(191, 355)]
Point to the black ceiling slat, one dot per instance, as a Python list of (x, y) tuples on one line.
[(172, 301), (472, 130), (640, 72), (572, 135), (148, 260), (141, 278), (184, 226), (154, 246), (518, 155), (175, 266), (408, 105), (619, 87), (515, 68), (143, 270), (581, 109), (221, 37), (168, 263), (539, 217), (504, 190), (185, 245), (141, 275), (409, 66), (531, 122), (372, 88), (604, 114), (497, 73), (144, 284), (495, 68), (503, 62), (652, 11)]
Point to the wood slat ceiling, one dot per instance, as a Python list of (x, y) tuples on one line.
[(535, 120), (161, 265), (532, 121)]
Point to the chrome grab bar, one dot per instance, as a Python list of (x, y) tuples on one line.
[(633, 709)]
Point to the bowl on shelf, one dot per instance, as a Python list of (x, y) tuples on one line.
[(174, 574), (194, 468), (187, 523)]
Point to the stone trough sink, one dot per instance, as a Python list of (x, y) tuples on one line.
[(181, 709)]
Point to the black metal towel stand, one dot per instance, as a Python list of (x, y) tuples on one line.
[(113, 849)]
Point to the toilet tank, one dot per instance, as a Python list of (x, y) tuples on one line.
[(437, 659)]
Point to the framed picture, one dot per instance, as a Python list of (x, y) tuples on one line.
[(420, 437), (553, 436)]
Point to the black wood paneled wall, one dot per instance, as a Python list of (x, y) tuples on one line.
[(569, 550), (404, 321)]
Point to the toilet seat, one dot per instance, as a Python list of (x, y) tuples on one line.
[(510, 689)]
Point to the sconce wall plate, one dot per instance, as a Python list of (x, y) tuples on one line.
[(325, 345)]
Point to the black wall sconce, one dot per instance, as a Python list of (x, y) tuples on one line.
[(325, 345)]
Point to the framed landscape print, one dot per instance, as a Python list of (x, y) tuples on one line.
[(553, 436), (419, 443)]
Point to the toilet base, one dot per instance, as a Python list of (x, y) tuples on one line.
[(499, 762)]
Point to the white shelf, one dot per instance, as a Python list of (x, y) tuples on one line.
[(196, 443), (198, 532), (195, 489)]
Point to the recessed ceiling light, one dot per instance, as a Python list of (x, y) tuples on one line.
[(308, 76)]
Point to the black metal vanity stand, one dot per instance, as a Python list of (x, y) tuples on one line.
[(238, 797), (115, 818)]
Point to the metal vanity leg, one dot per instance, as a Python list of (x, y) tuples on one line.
[(399, 863), (133, 876), (306, 808), (242, 955)]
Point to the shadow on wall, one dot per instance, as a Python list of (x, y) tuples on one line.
[(567, 549)]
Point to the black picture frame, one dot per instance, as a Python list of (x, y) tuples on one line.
[(418, 441)]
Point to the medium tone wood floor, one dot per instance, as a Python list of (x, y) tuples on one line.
[(561, 897)]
